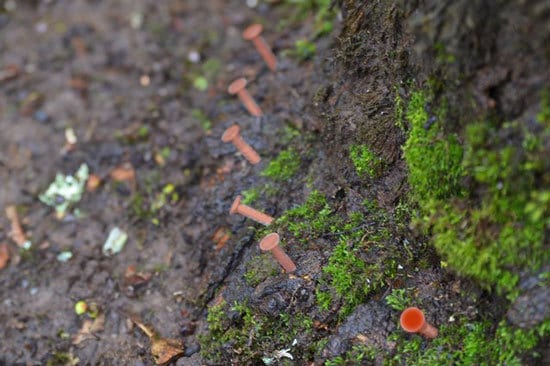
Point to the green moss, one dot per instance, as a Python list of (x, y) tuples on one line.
[(366, 163), (62, 359), (311, 219), (398, 299), (284, 166), (211, 68), (202, 118), (468, 344), (442, 55), (259, 268), (433, 158), (360, 264), (485, 202), (543, 117), (289, 133), (322, 10), (502, 235), (345, 272), (239, 335), (150, 201), (250, 195), (399, 110), (358, 355), (303, 50)]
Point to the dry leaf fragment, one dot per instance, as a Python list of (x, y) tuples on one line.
[(220, 237), (79, 83), (93, 182), (123, 173), (4, 255), (17, 233), (30, 103), (79, 46), (9, 72), (89, 328), (115, 241), (163, 350), (134, 278)]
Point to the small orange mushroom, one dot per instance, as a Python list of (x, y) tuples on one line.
[(412, 320)]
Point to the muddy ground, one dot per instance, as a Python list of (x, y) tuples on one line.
[(129, 78), (81, 66)]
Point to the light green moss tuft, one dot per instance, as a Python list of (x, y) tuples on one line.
[(366, 163), (284, 166)]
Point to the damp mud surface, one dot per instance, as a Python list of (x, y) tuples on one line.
[(137, 91)]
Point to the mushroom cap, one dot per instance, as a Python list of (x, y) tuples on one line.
[(412, 319), (252, 31), (235, 205), (270, 241), (236, 86), (231, 133)]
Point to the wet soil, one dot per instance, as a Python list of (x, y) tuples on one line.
[(107, 70)]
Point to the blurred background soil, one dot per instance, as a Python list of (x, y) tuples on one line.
[(122, 75)]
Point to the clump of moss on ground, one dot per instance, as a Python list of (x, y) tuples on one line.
[(362, 263), (284, 166), (482, 201), (465, 343), (433, 157), (363, 259), (357, 355), (486, 203), (323, 13), (309, 219), (240, 335), (366, 163), (259, 268)]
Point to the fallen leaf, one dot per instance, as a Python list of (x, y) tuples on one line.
[(79, 83), (134, 278), (14, 323), (79, 46), (9, 72), (220, 237), (115, 242), (17, 233), (30, 103), (4, 255), (163, 350), (318, 325), (89, 328), (93, 182), (160, 159), (168, 258), (362, 338), (123, 173)]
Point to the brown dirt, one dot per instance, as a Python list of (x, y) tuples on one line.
[(80, 66)]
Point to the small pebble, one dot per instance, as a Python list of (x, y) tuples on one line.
[(41, 116), (145, 80), (194, 57), (41, 27), (10, 5), (30, 68), (136, 20)]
